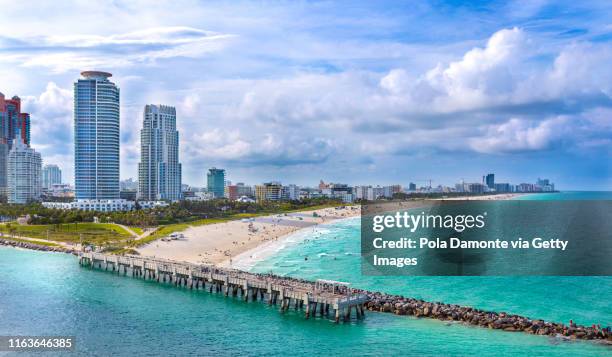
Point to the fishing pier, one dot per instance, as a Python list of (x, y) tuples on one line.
[(325, 297)]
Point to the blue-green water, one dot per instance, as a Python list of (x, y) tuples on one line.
[(568, 195), (49, 294), (332, 252)]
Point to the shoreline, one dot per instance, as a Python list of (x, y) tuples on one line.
[(248, 259), (220, 243)]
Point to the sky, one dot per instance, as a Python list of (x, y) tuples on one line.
[(371, 92)]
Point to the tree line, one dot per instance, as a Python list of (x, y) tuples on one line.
[(183, 211)]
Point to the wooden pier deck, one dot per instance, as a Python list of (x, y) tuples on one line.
[(328, 297)]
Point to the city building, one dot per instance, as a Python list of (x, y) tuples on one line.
[(231, 192), (60, 190), (545, 185), (323, 185), (489, 181), (23, 173), (234, 192), (526, 187), (104, 205), (129, 195), (369, 193), (198, 196), (389, 191), (96, 137), (476, 188), (215, 182), (244, 190), (13, 124), (269, 191), (502, 187), (412, 187), (290, 193), (52, 175), (128, 185), (159, 170)]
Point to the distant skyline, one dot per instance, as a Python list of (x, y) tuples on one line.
[(354, 92)]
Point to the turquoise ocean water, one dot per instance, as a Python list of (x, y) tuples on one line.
[(49, 294)]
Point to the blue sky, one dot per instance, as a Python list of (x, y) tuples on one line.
[(357, 92)]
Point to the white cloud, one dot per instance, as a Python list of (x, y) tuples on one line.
[(73, 52), (520, 135)]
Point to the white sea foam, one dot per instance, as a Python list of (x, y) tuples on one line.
[(248, 259)]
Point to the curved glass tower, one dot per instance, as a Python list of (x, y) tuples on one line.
[(96, 137)]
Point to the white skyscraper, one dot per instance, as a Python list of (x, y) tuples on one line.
[(159, 170), (23, 169)]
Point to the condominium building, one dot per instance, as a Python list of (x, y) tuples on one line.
[(51, 175), (159, 170), (23, 173), (13, 124), (96, 137)]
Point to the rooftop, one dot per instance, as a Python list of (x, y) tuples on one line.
[(96, 74)]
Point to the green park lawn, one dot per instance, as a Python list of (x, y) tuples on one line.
[(95, 233)]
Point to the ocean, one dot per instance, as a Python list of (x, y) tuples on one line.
[(49, 294)]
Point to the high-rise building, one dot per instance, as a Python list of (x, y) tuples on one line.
[(52, 175), (215, 182), (489, 181), (23, 168), (159, 170), (96, 137), (13, 124), (503, 187), (269, 191), (412, 187)]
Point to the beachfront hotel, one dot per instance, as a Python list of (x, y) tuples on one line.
[(159, 170), (96, 137)]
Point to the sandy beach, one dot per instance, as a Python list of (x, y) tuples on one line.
[(221, 243), (241, 243)]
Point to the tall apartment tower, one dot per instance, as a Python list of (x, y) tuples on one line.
[(96, 137), (23, 169), (489, 180), (215, 182), (52, 175), (13, 124), (159, 170)]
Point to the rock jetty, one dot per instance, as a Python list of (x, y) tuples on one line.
[(401, 305), (34, 246)]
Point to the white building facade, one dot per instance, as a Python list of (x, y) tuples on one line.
[(23, 174)]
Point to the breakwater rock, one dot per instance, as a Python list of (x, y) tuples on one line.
[(400, 305), (34, 246)]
